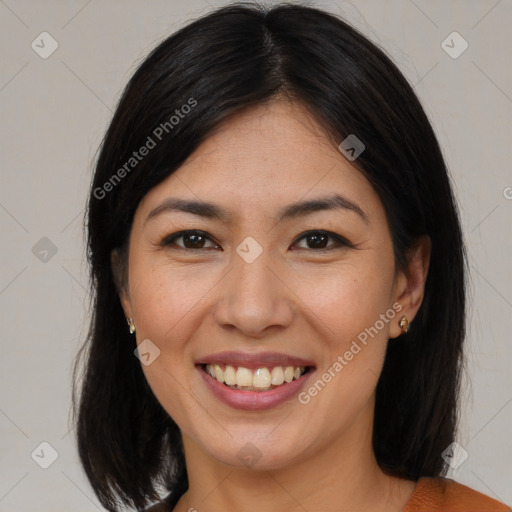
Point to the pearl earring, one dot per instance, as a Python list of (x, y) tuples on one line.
[(131, 325)]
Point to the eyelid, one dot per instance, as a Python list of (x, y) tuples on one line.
[(339, 240), (169, 239)]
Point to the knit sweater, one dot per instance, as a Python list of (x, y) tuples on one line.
[(432, 494), (446, 495)]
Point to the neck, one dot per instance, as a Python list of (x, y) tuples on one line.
[(342, 476)]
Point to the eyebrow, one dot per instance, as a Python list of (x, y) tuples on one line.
[(295, 210)]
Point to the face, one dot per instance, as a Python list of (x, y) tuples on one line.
[(262, 284)]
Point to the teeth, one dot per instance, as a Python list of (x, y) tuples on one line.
[(230, 376), (219, 374), (261, 379), (277, 375), (243, 377)]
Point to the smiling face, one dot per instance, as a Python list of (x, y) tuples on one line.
[(272, 284)]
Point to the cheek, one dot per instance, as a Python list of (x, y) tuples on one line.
[(164, 298), (347, 310), (164, 305), (349, 299), (169, 306)]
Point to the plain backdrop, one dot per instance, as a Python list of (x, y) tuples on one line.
[(54, 112)]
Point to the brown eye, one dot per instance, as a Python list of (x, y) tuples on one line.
[(318, 240), (192, 239)]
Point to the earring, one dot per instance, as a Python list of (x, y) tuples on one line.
[(404, 324), (131, 325)]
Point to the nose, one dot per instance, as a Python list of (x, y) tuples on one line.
[(254, 297)]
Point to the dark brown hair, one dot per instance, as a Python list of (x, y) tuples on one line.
[(233, 58)]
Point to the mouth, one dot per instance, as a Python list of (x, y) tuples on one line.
[(254, 381), (259, 379)]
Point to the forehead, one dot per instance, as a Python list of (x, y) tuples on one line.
[(266, 156), (269, 137)]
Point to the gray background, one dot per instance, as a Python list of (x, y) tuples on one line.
[(54, 112)]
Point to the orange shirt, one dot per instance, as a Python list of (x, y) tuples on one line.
[(446, 495), (432, 494)]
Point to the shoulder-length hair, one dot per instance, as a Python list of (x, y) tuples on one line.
[(235, 57)]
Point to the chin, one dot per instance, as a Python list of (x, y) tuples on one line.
[(257, 450)]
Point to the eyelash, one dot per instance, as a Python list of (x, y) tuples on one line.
[(339, 240)]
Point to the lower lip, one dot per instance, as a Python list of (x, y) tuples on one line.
[(253, 400)]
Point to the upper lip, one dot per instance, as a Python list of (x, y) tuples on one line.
[(254, 360)]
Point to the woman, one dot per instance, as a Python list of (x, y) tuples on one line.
[(278, 275)]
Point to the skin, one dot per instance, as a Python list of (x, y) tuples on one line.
[(293, 298)]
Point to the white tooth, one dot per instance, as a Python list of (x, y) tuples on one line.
[(288, 374), (296, 373), (219, 374), (261, 378), (277, 375), (243, 377), (211, 370), (230, 376)]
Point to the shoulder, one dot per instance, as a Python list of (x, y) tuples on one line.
[(437, 494), (158, 507), (161, 506)]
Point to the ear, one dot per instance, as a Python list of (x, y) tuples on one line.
[(119, 265), (409, 286)]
